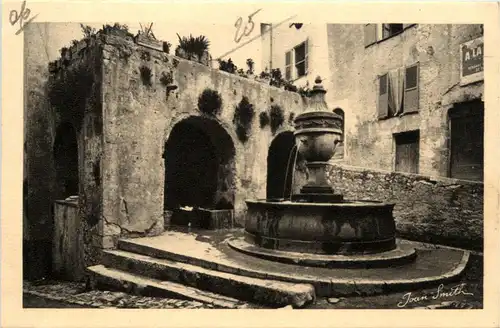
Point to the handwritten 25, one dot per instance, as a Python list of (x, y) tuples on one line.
[(247, 30)]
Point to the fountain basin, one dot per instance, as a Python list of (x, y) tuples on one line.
[(342, 228)]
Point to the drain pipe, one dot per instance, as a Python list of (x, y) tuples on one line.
[(270, 47)]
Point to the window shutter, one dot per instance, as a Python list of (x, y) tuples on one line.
[(306, 59), (383, 96), (411, 94), (288, 67), (370, 34)]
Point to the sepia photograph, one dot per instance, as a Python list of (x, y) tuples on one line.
[(325, 166)]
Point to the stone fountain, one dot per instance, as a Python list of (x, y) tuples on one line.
[(318, 221)]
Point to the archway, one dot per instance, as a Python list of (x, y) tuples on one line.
[(280, 166), (199, 166), (66, 161)]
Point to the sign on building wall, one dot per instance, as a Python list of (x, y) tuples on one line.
[(471, 64)]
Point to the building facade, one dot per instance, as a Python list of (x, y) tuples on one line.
[(411, 94)]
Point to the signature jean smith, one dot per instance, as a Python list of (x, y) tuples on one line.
[(440, 293)]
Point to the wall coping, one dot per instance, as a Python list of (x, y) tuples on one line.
[(443, 180), (135, 46)]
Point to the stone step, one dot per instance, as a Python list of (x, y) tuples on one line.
[(267, 292), (108, 278)]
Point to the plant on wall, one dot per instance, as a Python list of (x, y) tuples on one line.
[(146, 76), (210, 102), (243, 117), (192, 46), (227, 66), (87, 31), (166, 47), (250, 65), (117, 29), (263, 119), (166, 78), (277, 118), (291, 117), (304, 91), (276, 78)]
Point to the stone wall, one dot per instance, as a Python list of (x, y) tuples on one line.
[(140, 113), (38, 163), (442, 211), (353, 86)]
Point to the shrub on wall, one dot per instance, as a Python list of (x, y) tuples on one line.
[(263, 119), (243, 117), (146, 76), (192, 46), (227, 66), (210, 102), (277, 118)]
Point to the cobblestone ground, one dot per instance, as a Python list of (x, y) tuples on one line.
[(73, 295)]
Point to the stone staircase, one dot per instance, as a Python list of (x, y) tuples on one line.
[(140, 271)]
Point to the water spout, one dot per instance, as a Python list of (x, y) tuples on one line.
[(293, 172), (287, 168)]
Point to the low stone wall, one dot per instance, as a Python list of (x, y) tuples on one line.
[(437, 210)]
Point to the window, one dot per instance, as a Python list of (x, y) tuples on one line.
[(378, 32), (297, 58), (407, 151), (466, 140), (398, 92), (288, 66), (389, 30), (301, 59)]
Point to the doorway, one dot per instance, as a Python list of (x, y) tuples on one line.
[(466, 122)]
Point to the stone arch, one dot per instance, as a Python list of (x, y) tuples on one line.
[(280, 166), (65, 152), (200, 168), (339, 153)]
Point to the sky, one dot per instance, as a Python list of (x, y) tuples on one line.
[(220, 36)]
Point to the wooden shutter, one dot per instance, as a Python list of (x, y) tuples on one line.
[(288, 65), (306, 59), (370, 34), (383, 96), (411, 87)]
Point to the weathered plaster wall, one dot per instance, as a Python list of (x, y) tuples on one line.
[(74, 96), (139, 118), (353, 86), (442, 210), (38, 166)]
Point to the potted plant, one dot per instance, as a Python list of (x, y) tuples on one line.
[(250, 65), (193, 48)]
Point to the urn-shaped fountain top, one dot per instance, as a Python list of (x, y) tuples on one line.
[(317, 101), (317, 129)]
